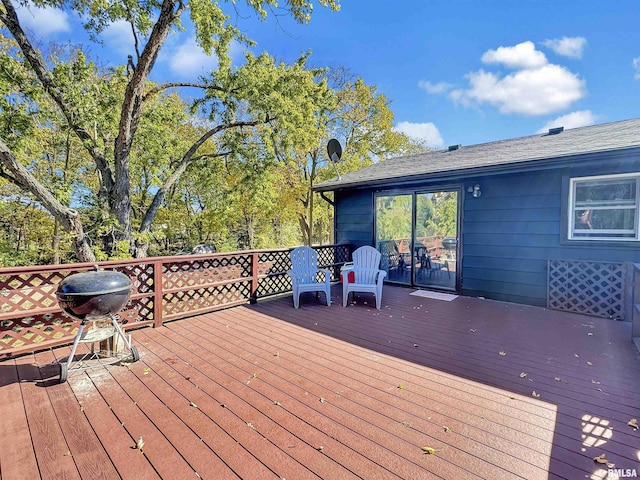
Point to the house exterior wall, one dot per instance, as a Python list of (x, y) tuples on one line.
[(509, 233), (354, 221)]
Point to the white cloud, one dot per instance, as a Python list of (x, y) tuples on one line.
[(426, 132), (567, 46), (45, 21), (537, 87), (523, 55), (188, 60), (635, 63), (434, 88), (119, 37), (582, 118)]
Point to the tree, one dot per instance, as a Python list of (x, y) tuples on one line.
[(362, 120), (150, 24)]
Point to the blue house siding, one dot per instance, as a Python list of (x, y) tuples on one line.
[(508, 234), (516, 226), (354, 220)]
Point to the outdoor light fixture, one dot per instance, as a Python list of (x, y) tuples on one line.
[(475, 191)]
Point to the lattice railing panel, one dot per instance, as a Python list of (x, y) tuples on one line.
[(30, 317), (29, 291), (277, 281), (210, 297), (279, 261), (16, 333), (141, 276), (332, 255), (591, 288), (191, 273), (274, 284)]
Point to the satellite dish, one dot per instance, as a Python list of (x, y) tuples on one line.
[(334, 150)]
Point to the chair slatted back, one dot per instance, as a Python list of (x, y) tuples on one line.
[(304, 262), (366, 264)]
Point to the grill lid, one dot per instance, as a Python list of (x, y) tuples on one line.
[(94, 283)]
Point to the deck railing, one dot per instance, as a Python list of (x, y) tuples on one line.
[(164, 289)]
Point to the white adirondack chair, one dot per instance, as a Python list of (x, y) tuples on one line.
[(367, 275), (304, 274)]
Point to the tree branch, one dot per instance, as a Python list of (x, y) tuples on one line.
[(65, 215), (203, 86), (187, 159), (10, 19)]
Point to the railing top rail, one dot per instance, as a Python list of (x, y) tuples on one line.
[(137, 261)]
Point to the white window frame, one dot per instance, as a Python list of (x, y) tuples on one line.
[(571, 233)]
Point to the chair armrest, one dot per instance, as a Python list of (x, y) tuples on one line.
[(381, 275)]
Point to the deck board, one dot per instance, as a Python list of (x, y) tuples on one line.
[(381, 427), (17, 458), (53, 453), (270, 392)]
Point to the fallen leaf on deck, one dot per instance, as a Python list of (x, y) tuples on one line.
[(146, 371), (447, 430), (407, 424), (429, 450), (277, 353), (400, 386), (601, 459), (576, 355), (633, 423), (321, 400), (276, 402), (139, 444), (68, 453), (472, 330), (502, 353), (589, 363), (590, 334), (535, 395), (558, 379), (191, 404), (320, 448), (523, 375)]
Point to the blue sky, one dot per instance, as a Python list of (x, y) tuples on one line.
[(456, 72)]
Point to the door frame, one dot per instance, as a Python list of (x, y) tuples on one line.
[(414, 192)]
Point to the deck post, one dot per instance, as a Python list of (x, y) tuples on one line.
[(253, 295), (157, 293)]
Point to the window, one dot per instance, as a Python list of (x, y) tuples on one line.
[(604, 207)]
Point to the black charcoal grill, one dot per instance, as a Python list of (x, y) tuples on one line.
[(95, 296)]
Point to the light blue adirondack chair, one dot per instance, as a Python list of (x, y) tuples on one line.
[(368, 277), (304, 274)]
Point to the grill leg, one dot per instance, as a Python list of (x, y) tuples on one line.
[(75, 347)]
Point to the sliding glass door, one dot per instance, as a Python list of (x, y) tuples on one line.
[(417, 235), (394, 214), (435, 239)]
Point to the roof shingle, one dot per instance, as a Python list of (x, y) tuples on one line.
[(505, 153)]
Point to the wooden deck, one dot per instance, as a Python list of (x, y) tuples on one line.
[(500, 391)]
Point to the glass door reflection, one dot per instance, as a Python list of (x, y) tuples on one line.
[(435, 241), (394, 215)]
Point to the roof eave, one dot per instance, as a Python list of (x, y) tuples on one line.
[(521, 166)]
